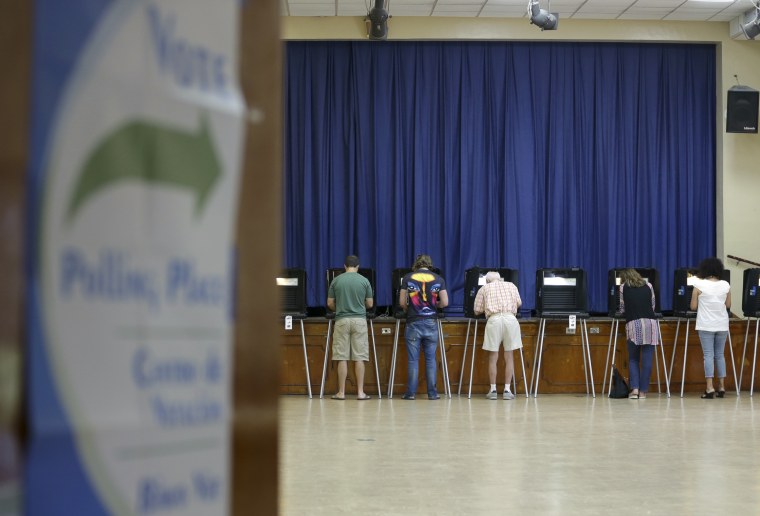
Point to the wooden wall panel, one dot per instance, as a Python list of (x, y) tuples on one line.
[(15, 45), (15, 52), (257, 345), (561, 369)]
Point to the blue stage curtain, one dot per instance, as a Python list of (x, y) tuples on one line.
[(521, 155)]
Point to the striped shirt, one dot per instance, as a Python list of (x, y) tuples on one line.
[(497, 297)]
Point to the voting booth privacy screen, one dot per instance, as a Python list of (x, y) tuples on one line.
[(292, 283), (475, 277), (683, 286), (613, 288), (751, 293), (561, 292), (396, 276), (332, 273)]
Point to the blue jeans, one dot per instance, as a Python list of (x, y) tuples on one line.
[(422, 332), (640, 357), (713, 345)]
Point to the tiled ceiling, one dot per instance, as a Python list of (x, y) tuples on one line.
[(669, 10)]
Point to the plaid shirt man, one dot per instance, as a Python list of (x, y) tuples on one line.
[(498, 297)]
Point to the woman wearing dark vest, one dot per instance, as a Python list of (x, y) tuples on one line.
[(641, 330)]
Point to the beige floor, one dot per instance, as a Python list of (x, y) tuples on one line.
[(558, 454)]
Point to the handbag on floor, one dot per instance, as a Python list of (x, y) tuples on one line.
[(619, 385)]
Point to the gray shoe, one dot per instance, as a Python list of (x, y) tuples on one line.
[(508, 395), (493, 395)]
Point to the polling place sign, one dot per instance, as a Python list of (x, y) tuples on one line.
[(136, 154)]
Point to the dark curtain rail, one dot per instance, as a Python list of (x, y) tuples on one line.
[(743, 260)]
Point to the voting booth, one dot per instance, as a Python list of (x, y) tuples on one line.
[(562, 293), (292, 286), (751, 310)]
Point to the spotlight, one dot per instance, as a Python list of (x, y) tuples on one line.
[(752, 27), (377, 22), (541, 17), (747, 25)]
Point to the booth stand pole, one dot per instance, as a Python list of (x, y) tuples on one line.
[(585, 349), (464, 356), (305, 357), (744, 354), (392, 376), (444, 362)]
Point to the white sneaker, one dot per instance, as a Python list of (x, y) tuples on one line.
[(508, 395), (493, 395)]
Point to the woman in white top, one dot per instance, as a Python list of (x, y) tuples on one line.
[(711, 299)]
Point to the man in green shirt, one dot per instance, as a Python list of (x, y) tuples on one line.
[(349, 296)]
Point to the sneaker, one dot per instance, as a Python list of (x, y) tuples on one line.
[(407, 397), (508, 395), (434, 397), (493, 395)]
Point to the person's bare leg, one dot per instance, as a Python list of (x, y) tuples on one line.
[(492, 359), (509, 368), (342, 373), (359, 368), (710, 387)]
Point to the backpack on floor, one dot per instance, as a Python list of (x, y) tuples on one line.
[(619, 385)]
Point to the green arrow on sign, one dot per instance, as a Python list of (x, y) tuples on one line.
[(147, 152)]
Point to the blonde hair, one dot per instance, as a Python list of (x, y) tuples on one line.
[(632, 278)]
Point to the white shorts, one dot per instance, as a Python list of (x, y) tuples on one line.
[(502, 328)]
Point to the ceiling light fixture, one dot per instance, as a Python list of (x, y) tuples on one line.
[(751, 27), (541, 17), (377, 22)]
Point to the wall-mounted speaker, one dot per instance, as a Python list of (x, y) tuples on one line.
[(741, 110)]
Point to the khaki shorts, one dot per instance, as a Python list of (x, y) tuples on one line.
[(502, 328), (350, 341)]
